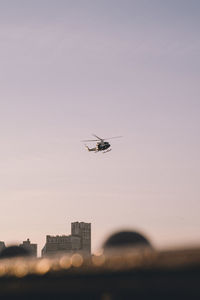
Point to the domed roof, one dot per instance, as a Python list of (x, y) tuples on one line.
[(126, 239)]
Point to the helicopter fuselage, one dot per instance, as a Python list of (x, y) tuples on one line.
[(102, 146)]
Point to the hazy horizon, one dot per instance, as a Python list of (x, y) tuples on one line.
[(73, 68)]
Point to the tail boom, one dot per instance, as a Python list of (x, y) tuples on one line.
[(90, 149)]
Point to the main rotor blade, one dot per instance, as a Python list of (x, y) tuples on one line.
[(98, 137), (114, 137), (89, 140)]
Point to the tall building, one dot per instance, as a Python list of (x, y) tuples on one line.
[(78, 241), (2, 246), (32, 248), (84, 231)]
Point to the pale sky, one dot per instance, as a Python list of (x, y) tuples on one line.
[(117, 67)]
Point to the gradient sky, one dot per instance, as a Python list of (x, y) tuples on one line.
[(118, 67)]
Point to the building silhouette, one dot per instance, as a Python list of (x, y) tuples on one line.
[(78, 241), (31, 248), (2, 246)]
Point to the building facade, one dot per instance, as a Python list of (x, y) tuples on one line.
[(84, 231), (32, 248), (2, 246), (78, 241)]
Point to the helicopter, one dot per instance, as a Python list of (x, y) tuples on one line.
[(101, 144)]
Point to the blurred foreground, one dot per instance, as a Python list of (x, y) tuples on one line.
[(134, 273)]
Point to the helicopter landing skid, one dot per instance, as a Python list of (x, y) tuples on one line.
[(106, 151)]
